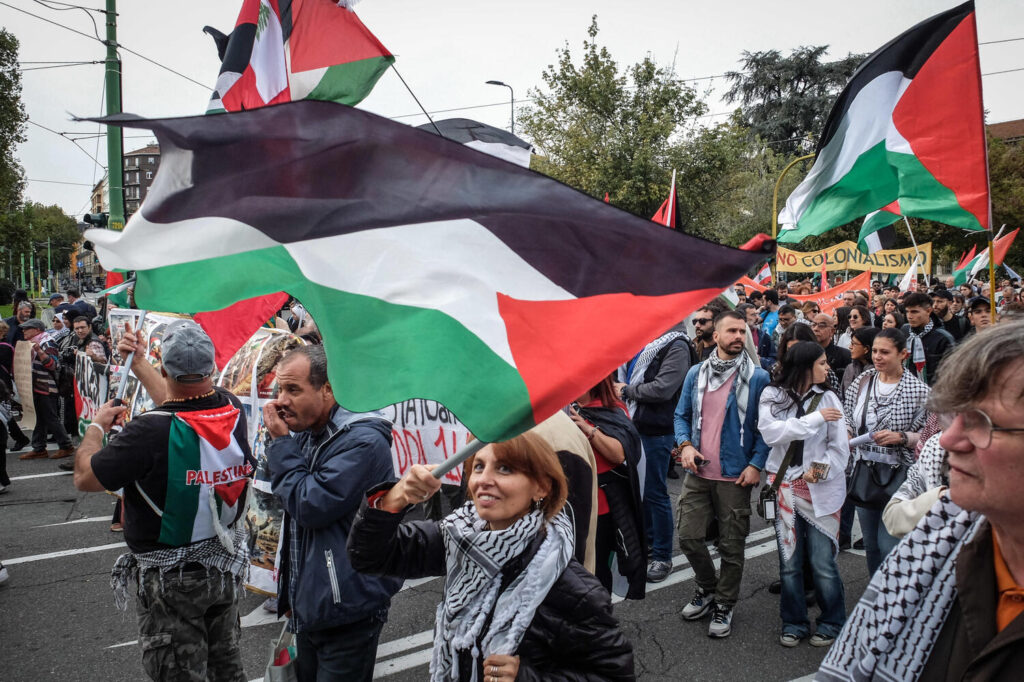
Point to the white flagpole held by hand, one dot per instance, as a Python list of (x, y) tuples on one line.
[(127, 369), (467, 451)]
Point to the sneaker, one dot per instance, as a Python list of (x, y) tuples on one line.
[(117, 528), (3, 574), (699, 606), (3, 488), (721, 622), (789, 639), (818, 639), (34, 454), (775, 587), (62, 453), (658, 571)]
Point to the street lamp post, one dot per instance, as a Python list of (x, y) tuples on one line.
[(775, 210), (512, 104)]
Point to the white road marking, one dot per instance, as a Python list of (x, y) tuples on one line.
[(52, 473), (88, 519), (64, 553)]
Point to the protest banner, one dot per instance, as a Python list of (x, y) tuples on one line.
[(23, 383), (830, 299), (91, 389), (846, 256), (425, 432)]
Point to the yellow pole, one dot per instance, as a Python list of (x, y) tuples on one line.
[(775, 209)]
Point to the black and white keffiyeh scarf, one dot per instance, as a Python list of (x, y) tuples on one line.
[(917, 358), (636, 369), (713, 373), (903, 410), (891, 632), (930, 471), (475, 557)]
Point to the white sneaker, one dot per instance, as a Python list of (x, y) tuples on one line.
[(721, 622), (699, 606), (3, 574), (3, 488)]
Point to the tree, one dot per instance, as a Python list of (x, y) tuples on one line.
[(607, 131), (786, 100), (12, 123), (38, 233)]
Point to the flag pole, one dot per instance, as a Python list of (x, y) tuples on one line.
[(991, 277), (917, 253), (775, 210), (467, 451), (127, 369), (418, 103)]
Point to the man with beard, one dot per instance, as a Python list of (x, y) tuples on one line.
[(719, 443), (704, 331), (927, 341), (942, 307)]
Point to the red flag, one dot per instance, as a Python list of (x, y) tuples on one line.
[(966, 259), (229, 328), (1002, 245), (666, 215)]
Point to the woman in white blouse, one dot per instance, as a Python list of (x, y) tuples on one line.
[(799, 413)]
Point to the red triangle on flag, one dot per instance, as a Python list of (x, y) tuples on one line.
[(229, 328), (215, 425), (966, 259), (313, 21), (230, 492), (1002, 245)]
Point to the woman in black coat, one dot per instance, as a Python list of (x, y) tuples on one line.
[(517, 605)]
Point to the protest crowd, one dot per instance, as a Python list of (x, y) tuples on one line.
[(767, 406)]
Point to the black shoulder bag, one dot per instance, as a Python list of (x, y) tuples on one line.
[(872, 484), (769, 494)]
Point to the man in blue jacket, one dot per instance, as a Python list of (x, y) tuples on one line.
[(323, 458), (719, 443)]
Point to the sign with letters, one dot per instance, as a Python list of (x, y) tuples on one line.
[(845, 256)]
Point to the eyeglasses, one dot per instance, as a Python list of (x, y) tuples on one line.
[(976, 425), (821, 325), (702, 320)]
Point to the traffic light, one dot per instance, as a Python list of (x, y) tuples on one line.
[(97, 219)]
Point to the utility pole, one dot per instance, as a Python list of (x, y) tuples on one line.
[(49, 268), (22, 270), (115, 164)]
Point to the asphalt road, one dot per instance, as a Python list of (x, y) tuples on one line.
[(59, 621)]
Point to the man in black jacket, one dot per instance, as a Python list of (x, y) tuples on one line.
[(927, 341), (323, 458), (653, 380), (824, 330), (956, 326)]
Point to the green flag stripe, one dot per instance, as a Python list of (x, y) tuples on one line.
[(922, 196), (362, 333), (182, 500), (350, 83)]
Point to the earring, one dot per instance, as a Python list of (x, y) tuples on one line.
[(537, 504)]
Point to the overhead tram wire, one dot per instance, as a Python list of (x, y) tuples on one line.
[(51, 130)]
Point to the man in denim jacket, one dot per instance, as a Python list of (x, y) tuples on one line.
[(719, 443), (323, 458)]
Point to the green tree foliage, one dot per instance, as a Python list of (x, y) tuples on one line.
[(786, 100), (605, 130), (24, 232), (12, 123)]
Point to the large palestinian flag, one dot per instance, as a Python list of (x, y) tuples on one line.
[(433, 271), (484, 138), (285, 50), (908, 126)]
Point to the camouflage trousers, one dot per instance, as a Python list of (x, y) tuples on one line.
[(189, 628)]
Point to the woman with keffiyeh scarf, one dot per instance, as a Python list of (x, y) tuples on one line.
[(517, 605), (812, 490)]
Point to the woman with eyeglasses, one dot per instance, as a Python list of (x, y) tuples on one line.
[(889, 404)]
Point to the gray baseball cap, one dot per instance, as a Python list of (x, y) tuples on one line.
[(34, 323), (187, 352)]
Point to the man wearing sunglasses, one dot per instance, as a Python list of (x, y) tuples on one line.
[(704, 332), (948, 602)]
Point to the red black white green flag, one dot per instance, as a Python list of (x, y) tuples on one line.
[(286, 50), (433, 271), (908, 127)]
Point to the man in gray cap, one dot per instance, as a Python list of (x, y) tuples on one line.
[(184, 469), (45, 366)]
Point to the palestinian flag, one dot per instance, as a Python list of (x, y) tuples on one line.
[(285, 50), (877, 232), (668, 212), (433, 271), (966, 257), (966, 272), (908, 127), (484, 138), (117, 289), (207, 472)]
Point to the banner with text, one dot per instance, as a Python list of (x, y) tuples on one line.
[(830, 299), (846, 256)]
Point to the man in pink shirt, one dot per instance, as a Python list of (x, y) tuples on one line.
[(719, 442)]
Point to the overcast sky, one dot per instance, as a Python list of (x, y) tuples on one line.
[(446, 50)]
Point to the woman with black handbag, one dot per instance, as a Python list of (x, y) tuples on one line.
[(885, 406), (801, 418), (603, 419)]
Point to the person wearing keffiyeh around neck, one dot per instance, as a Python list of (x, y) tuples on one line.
[(517, 605), (718, 441), (928, 342), (800, 414), (948, 602)]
